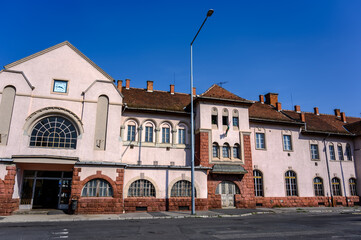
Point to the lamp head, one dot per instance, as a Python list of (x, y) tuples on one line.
[(210, 12)]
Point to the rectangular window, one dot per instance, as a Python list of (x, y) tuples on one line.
[(181, 136), (332, 152), (260, 141), (214, 120), (225, 120), (215, 150), (235, 122), (131, 133), (340, 153), (314, 152), (287, 143), (149, 134), (225, 150), (236, 152), (348, 153), (165, 135)]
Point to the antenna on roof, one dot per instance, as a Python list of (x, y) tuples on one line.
[(221, 83)]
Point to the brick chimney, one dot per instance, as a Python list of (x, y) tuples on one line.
[(272, 98), (278, 106), (149, 86), (303, 117), (120, 85), (261, 98), (297, 108), (171, 89), (127, 83), (337, 112), (315, 110), (194, 91), (343, 117)]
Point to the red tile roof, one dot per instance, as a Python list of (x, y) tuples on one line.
[(218, 92), (354, 127), (259, 111), (156, 100)]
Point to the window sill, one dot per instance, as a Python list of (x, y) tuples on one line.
[(316, 160), (264, 149)]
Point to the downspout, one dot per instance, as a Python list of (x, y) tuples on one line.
[(328, 169)]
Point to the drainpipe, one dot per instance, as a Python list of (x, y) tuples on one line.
[(328, 169)]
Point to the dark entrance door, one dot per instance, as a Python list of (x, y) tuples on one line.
[(46, 193)]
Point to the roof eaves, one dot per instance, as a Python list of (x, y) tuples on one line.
[(275, 121), (225, 99), (325, 132), (56, 47), (156, 110)]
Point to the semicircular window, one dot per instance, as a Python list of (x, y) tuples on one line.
[(54, 132)]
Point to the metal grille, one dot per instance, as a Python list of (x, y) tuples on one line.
[(291, 183), (318, 186), (182, 188), (141, 188), (258, 183), (352, 183), (336, 188), (54, 132), (97, 188)]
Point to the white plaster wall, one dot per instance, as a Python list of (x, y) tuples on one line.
[(3, 171), (87, 171), (147, 153), (162, 178), (357, 157), (274, 162), (62, 63)]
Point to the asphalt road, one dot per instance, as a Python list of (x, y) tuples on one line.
[(267, 226)]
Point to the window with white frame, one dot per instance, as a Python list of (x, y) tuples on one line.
[(331, 149), (97, 188), (214, 118), (181, 136), (336, 187), (318, 186), (141, 188), (291, 183), (340, 152), (235, 119), (348, 152), (165, 135), (287, 143), (131, 133), (314, 152), (225, 121), (182, 188), (148, 134), (225, 150), (236, 151), (215, 150), (260, 141), (258, 183), (352, 183)]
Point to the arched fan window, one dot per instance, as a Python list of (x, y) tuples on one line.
[(54, 132)]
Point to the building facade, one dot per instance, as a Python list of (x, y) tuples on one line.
[(68, 132)]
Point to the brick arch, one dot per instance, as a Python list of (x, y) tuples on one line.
[(100, 176)]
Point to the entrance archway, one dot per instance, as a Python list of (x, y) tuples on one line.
[(227, 190)]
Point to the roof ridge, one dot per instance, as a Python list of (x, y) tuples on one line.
[(156, 90), (209, 89)]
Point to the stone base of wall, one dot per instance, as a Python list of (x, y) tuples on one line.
[(185, 203), (269, 202), (99, 206), (134, 204)]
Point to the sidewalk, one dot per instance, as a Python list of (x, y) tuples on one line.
[(62, 217)]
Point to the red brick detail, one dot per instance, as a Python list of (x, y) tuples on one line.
[(244, 182), (97, 205), (174, 203), (305, 201), (202, 150), (152, 204), (7, 203)]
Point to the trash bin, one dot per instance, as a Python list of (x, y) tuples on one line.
[(74, 204)]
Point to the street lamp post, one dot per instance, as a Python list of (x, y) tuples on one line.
[(209, 13)]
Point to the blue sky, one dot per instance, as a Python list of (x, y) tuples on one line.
[(307, 51)]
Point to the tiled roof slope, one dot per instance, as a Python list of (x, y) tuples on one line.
[(323, 122), (354, 127), (156, 100), (267, 112), (218, 92)]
